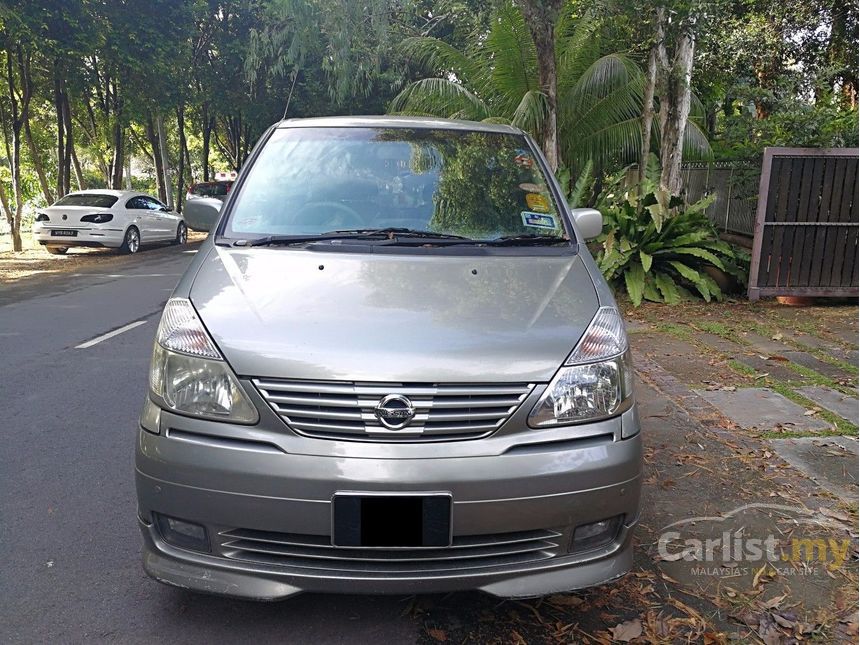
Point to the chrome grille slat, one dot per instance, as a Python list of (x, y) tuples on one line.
[(316, 552), (332, 410), (367, 555)]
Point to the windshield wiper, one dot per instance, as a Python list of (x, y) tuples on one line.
[(286, 240), (395, 232), (527, 240), (384, 235)]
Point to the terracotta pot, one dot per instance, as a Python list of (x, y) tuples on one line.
[(796, 301)]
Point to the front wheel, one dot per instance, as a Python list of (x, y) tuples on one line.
[(131, 242), (181, 234), (57, 250)]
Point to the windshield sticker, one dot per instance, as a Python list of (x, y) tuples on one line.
[(539, 220), (523, 158), (531, 188), (537, 202)]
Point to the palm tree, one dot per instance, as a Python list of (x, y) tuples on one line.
[(599, 96)]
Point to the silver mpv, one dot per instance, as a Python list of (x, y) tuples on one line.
[(393, 367)]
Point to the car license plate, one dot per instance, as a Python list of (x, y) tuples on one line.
[(63, 232), (367, 520)]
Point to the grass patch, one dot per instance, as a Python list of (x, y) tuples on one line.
[(817, 379), (719, 329), (681, 332), (817, 352), (740, 368), (842, 426)]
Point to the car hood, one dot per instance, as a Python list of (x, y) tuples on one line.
[(291, 313)]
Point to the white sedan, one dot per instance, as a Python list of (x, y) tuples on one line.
[(119, 219)]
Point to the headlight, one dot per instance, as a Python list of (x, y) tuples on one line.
[(188, 373), (596, 380)]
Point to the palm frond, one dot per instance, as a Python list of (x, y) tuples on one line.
[(512, 57), (531, 113), (696, 146), (439, 97), (437, 56)]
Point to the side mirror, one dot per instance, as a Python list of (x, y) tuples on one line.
[(589, 222)]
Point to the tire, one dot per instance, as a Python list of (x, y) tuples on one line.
[(131, 241), (181, 234), (57, 250)]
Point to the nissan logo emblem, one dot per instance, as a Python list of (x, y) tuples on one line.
[(394, 411)]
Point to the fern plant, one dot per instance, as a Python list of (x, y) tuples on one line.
[(659, 248)]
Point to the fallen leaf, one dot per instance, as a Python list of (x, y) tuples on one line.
[(783, 622), (627, 631), (565, 600), (439, 635), (836, 515), (809, 413), (774, 602), (776, 336)]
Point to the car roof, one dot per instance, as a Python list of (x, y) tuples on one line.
[(108, 191), (398, 122)]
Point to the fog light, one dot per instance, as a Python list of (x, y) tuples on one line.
[(185, 535), (595, 535)]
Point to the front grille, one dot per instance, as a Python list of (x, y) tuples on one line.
[(344, 410), (316, 552)]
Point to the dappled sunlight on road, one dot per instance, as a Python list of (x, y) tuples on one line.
[(35, 260)]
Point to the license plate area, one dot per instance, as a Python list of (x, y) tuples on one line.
[(62, 232), (391, 521)]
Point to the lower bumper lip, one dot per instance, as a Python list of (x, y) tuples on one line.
[(226, 488)]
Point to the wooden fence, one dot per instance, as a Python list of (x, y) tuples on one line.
[(806, 229)]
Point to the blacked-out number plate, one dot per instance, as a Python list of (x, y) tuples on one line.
[(361, 520)]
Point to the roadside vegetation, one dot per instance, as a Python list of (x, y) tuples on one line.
[(158, 95)]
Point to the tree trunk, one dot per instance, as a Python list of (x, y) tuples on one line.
[(675, 96), (19, 101), (36, 160), (208, 124), (152, 137), (648, 108), (79, 176), (67, 157), (183, 150), (541, 17), (165, 161), (117, 159), (61, 126)]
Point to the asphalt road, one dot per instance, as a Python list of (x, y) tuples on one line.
[(69, 546)]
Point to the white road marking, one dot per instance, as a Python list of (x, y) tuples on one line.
[(110, 334)]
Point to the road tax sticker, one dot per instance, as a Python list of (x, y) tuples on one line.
[(539, 220), (537, 202)]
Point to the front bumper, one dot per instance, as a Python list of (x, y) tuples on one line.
[(532, 497), (93, 236)]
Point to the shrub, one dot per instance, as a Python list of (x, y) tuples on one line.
[(658, 247)]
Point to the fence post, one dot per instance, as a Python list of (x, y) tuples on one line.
[(729, 198)]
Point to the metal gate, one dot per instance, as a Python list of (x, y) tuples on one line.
[(806, 229)]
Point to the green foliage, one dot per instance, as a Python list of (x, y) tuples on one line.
[(657, 246), (577, 193), (495, 77)]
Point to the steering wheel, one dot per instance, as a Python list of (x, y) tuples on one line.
[(334, 215)]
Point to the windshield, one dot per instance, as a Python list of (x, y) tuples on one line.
[(310, 181), (89, 199)]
